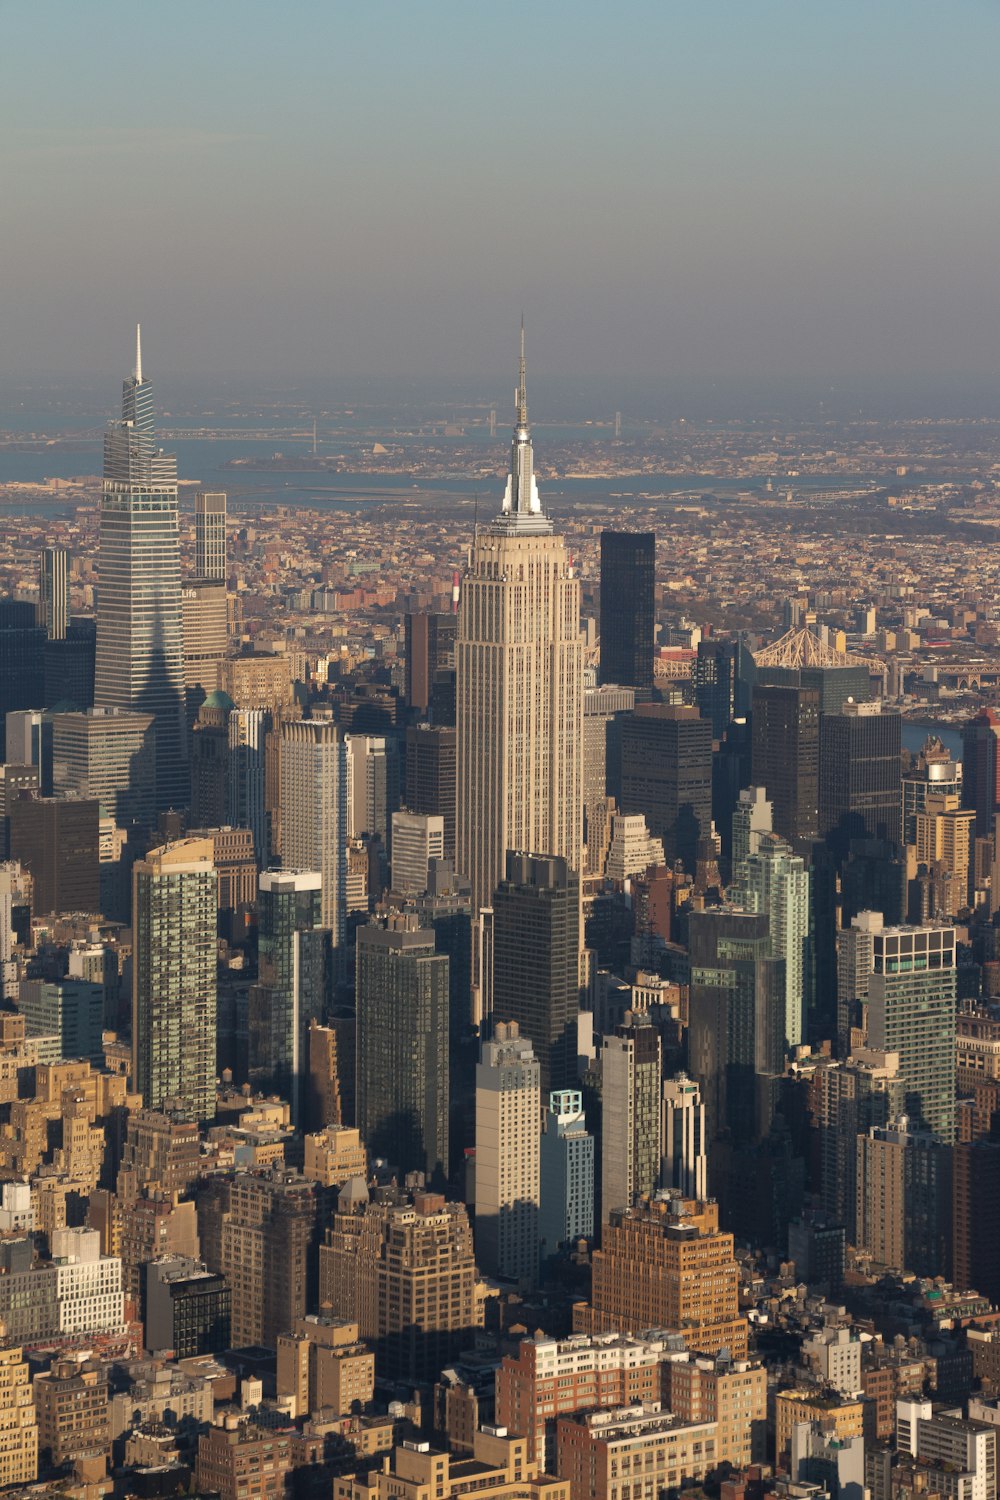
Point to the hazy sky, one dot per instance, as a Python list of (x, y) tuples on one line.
[(706, 187)]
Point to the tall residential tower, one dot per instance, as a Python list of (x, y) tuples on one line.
[(174, 904)]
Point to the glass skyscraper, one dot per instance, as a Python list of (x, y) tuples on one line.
[(140, 647), (778, 883), (536, 963), (911, 1011), (174, 906), (402, 1051), (628, 608), (295, 970)]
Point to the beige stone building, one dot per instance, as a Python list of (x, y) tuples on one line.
[(324, 1367), (71, 1400), (18, 1423), (335, 1154), (604, 1454), (499, 1465), (406, 1274), (239, 1461), (666, 1264), (519, 665), (840, 1416), (732, 1394)]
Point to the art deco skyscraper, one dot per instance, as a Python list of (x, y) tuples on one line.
[(519, 662), (140, 648)]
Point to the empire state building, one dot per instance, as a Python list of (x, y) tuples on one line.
[(519, 667)]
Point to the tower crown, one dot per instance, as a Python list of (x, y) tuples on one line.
[(522, 509), (131, 454)]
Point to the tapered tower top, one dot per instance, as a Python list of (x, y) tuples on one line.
[(522, 508), (131, 453)]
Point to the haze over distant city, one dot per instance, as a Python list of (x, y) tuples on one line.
[(741, 196)]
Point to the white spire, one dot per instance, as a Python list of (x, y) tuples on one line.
[(138, 354), (521, 501)]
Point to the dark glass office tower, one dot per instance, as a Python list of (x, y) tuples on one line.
[(402, 1048), (800, 659), (56, 840), (981, 769), (536, 945), (430, 775), (22, 655), (628, 580), (69, 665), (666, 773), (736, 1041), (723, 680), (445, 910), (430, 650), (785, 759), (860, 776), (140, 645), (295, 976)]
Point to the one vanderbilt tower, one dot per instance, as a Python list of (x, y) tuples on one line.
[(140, 649), (519, 663)]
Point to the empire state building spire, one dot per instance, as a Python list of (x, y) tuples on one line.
[(522, 509)]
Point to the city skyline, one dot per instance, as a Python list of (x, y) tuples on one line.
[(500, 949)]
